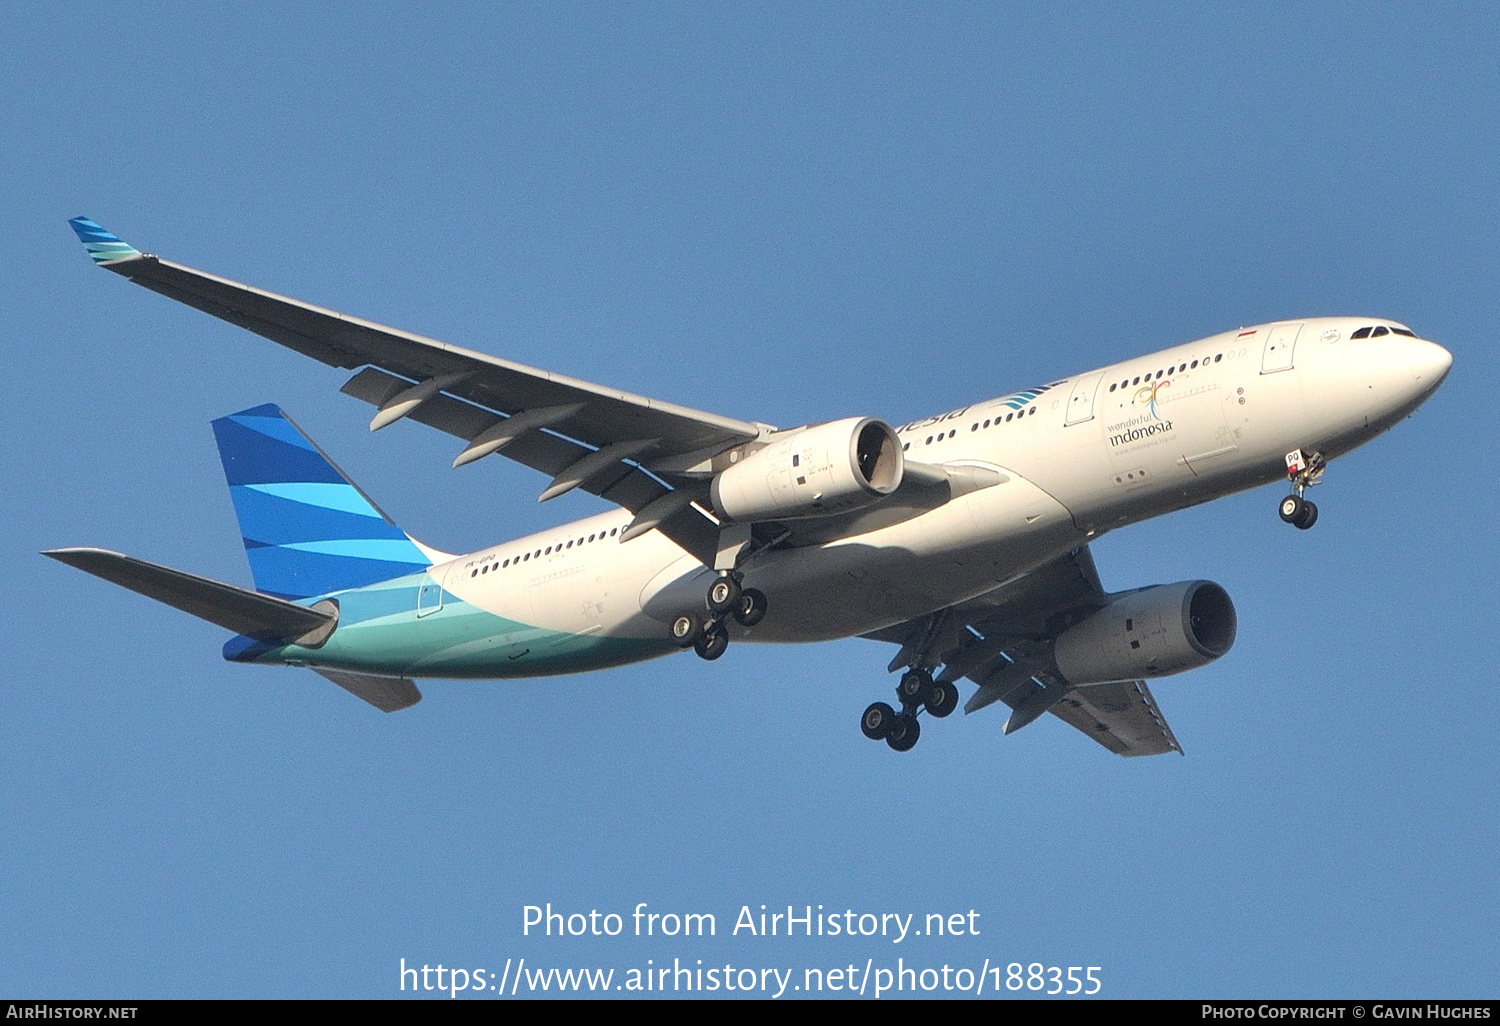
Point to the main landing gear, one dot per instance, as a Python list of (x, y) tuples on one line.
[(706, 634), (916, 692), (1303, 472)]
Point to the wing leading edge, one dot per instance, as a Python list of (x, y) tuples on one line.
[(584, 435)]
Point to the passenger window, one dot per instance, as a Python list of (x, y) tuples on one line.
[(1380, 330), (1111, 386), (1218, 357), (1137, 381), (1361, 333), (1195, 363), (1033, 411)]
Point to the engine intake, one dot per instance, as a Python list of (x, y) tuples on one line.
[(812, 471), (1153, 632)]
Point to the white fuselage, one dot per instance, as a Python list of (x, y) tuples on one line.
[(1077, 458)]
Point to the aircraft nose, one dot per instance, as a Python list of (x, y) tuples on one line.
[(1430, 363)]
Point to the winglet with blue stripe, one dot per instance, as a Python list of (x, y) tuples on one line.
[(101, 244)]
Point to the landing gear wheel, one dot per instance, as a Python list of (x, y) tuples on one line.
[(723, 595), (877, 720), (687, 631), (1293, 508), (751, 608), (1309, 516), (904, 733), (914, 687), (713, 643), (942, 699)]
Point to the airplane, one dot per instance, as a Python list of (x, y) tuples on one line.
[(961, 538)]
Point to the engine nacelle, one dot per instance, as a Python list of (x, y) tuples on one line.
[(812, 472), (1154, 632)]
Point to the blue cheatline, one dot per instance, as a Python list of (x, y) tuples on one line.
[(308, 530), (101, 244)]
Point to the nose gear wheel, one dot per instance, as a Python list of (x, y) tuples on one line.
[(1303, 471), (1299, 512)]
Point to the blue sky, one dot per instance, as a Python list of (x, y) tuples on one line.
[(790, 214)]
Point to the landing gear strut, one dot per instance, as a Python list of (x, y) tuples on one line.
[(917, 692), (1303, 472), (707, 634)]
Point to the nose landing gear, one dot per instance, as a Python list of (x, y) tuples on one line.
[(707, 634), (1303, 472), (917, 692), (1299, 512)]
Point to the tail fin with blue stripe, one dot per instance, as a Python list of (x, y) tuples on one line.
[(308, 529)]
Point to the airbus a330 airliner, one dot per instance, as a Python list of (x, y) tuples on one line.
[(961, 538)]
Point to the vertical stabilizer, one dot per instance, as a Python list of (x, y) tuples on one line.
[(308, 529)]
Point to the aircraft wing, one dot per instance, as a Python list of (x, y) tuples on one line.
[(581, 434), (1122, 717), (994, 639)]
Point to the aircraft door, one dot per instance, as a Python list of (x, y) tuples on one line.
[(1081, 402), (1281, 345), (429, 595)]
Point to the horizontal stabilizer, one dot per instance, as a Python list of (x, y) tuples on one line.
[(388, 694), (236, 609)]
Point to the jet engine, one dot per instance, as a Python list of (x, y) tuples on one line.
[(812, 471), (1153, 632)]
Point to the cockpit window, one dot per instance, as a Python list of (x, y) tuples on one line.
[(1404, 331), (1361, 333), (1380, 329)]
